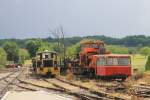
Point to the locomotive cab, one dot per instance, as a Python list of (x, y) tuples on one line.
[(46, 63), (88, 49)]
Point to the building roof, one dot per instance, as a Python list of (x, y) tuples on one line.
[(113, 55)]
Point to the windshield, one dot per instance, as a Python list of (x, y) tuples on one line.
[(112, 61)]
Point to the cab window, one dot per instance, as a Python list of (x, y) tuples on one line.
[(101, 61)]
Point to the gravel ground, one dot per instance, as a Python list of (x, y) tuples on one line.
[(38, 95)]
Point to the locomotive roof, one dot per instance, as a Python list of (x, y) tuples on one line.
[(91, 42), (47, 52), (113, 55)]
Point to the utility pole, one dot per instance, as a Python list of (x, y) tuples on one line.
[(58, 33), (64, 46)]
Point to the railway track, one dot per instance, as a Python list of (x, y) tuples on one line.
[(5, 85), (10, 73), (102, 92), (14, 80), (10, 82), (141, 90), (60, 86), (47, 88), (80, 90), (6, 70), (76, 91), (63, 91), (113, 86), (65, 87)]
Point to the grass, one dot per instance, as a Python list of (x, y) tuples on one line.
[(2, 67), (138, 62)]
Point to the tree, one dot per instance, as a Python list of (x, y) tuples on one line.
[(45, 46), (12, 51), (73, 50), (59, 35), (33, 46), (147, 67), (132, 51), (145, 51), (23, 55), (117, 49), (3, 57)]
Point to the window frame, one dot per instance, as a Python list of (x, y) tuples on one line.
[(115, 61)]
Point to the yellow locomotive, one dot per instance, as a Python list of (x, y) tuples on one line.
[(46, 64)]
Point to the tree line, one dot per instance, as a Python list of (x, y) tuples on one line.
[(19, 50), (128, 41), (10, 51)]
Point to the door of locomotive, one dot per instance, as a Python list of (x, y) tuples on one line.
[(100, 64)]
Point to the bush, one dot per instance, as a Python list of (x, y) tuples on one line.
[(117, 49), (23, 55), (147, 67), (12, 51), (73, 50), (145, 51), (45, 46), (3, 57)]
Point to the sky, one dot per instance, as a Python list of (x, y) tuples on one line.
[(35, 18)]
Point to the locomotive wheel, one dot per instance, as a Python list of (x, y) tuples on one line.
[(49, 74), (91, 73), (124, 78)]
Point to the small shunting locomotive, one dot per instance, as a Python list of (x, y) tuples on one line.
[(46, 64)]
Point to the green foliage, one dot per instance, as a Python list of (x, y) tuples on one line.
[(38, 45), (33, 46), (59, 48), (73, 50), (23, 55), (117, 49), (135, 40), (147, 67), (138, 61), (145, 51), (132, 50), (128, 41), (12, 51), (45, 46), (3, 57)]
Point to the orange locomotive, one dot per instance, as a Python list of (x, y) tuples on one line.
[(95, 61)]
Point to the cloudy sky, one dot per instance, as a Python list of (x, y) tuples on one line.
[(34, 18)]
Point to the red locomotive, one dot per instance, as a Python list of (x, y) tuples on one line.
[(95, 61)]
